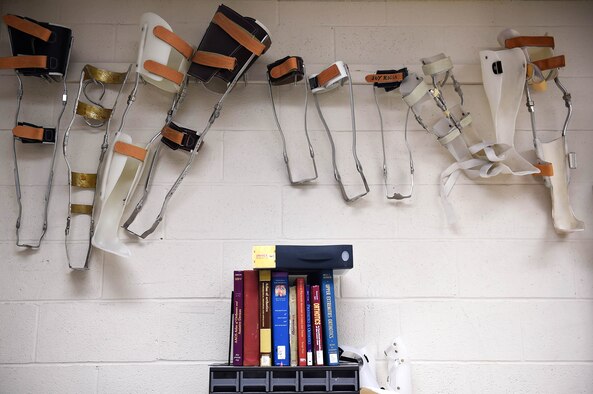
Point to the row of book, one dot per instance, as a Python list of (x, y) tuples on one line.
[(280, 320)]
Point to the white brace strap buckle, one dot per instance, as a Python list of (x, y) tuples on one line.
[(330, 78)]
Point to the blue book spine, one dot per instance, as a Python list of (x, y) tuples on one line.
[(330, 328), (280, 319), (309, 329)]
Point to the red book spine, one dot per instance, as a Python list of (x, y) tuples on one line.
[(316, 322), (250, 318), (301, 322)]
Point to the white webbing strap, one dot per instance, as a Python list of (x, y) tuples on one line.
[(416, 95), (437, 67)]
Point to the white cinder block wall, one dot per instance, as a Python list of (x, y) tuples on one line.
[(501, 304)]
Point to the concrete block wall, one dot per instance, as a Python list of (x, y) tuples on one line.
[(500, 304)]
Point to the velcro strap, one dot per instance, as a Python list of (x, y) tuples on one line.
[(93, 111), (163, 71), (529, 41), (466, 120), (439, 66), (545, 168), (26, 26), (327, 75), (239, 34), (104, 76), (172, 135), (290, 65), (24, 61), (450, 136), (29, 132), (550, 63), (130, 150), (84, 209), (416, 94), (215, 60), (384, 78), (80, 179), (174, 40)]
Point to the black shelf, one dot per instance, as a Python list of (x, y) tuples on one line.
[(227, 379)]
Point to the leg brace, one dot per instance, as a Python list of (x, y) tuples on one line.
[(290, 69), (554, 159), (41, 50), (329, 79), (96, 116), (163, 60), (390, 80), (231, 44)]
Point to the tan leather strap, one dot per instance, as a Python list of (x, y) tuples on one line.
[(93, 111), (80, 179), (290, 65), (130, 150), (550, 63), (239, 34), (172, 135), (529, 41), (545, 168), (28, 132), (105, 76), (384, 78), (31, 28), (216, 60), (174, 40), (81, 208), (327, 75), (163, 71), (23, 62)]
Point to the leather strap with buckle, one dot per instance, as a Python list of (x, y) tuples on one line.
[(30, 133), (286, 70), (177, 137)]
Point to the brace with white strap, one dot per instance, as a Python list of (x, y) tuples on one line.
[(331, 78), (40, 50), (390, 80), (554, 158), (231, 44), (163, 61), (96, 116), (290, 70)]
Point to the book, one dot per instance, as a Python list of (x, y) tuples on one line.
[(251, 345), (280, 319), (316, 325), (292, 313), (330, 327), (238, 319), (308, 321), (301, 322), (302, 259), (265, 318)]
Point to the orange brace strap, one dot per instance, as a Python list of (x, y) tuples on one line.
[(130, 150), (530, 41), (28, 132), (290, 65), (173, 40), (327, 75), (384, 78), (13, 62), (550, 63), (545, 168), (239, 34), (163, 71), (172, 135), (216, 60), (31, 28)]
